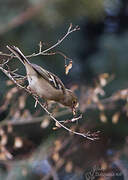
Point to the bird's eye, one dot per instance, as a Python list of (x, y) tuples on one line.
[(74, 102)]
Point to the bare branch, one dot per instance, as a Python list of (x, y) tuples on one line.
[(70, 30), (87, 135), (45, 52)]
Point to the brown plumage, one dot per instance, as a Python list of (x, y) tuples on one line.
[(44, 83)]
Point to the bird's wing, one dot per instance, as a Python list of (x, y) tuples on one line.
[(50, 77)]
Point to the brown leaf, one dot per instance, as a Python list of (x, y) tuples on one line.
[(2, 156), (5, 153), (103, 79), (104, 165), (4, 140), (55, 157), (69, 167), (1, 132), (22, 102), (16, 114), (58, 145), (115, 117), (103, 117), (68, 67), (100, 106), (9, 128), (18, 143), (54, 128), (45, 123), (58, 125)]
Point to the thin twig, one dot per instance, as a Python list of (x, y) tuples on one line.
[(45, 52), (87, 135), (70, 30), (66, 128)]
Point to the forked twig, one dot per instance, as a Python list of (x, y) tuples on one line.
[(12, 75), (87, 135), (46, 51)]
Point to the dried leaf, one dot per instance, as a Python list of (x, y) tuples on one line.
[(55, 157), (103, 117), (115, 117), (9, 95), (103, 79), (54, 128), (103, 82), (123, 93), (60, 163), (45, 123), (69, 167), (68, 67), (100, 106), (6, 153), (18, 143), (105, 75), (11, 92), (9, 128), (14, 90), (95, 99), (100, 91), (4, 140), (2, 156), (58, 145), (104, 166), (22, 102), (1, 131), (16, 114), (58, 125)]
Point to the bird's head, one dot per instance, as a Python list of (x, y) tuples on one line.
[(70, 100)]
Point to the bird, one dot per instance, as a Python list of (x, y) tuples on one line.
[(46, 84)]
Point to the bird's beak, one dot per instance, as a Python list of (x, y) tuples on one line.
[(74, 109), (77, 105)]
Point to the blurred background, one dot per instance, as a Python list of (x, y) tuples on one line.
[(30, 147)]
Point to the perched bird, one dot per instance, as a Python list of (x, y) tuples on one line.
[(44, 83)]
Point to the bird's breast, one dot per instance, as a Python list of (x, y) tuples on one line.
[(43, 88)]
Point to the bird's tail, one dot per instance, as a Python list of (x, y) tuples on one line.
[(16, 51)]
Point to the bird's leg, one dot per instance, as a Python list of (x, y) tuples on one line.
[(36, 95)]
